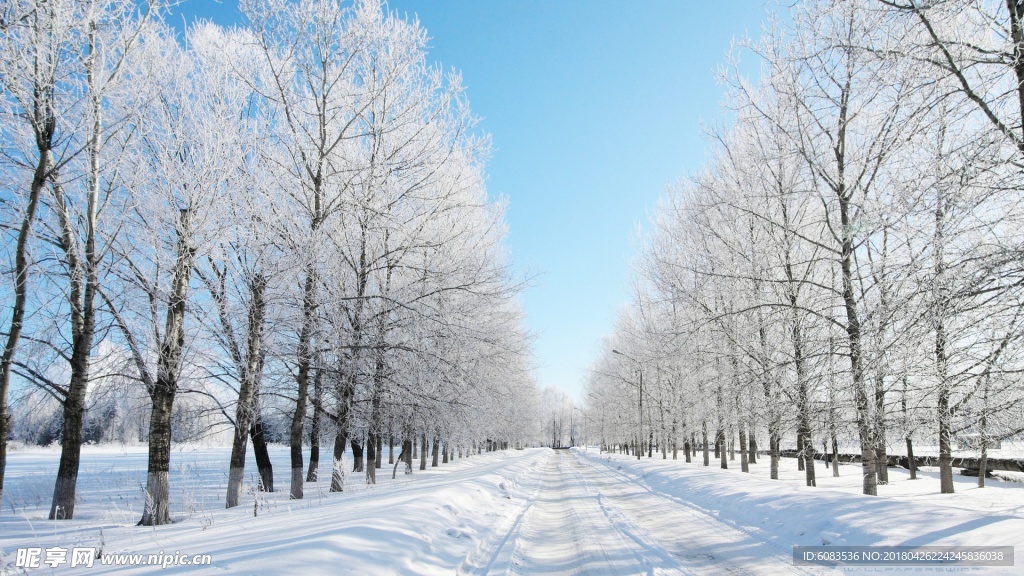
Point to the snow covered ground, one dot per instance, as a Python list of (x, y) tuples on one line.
[(532, 511)]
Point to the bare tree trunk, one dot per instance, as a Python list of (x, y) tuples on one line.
[(808, 455), (799, 451), (371, 458), (374, 437), (259, 447), (983, 460), (157, 510), (444, 454), (347, 389), (305, 361), (338, 467), (773, 449), (805, 445), (1016, 12), (707, 460), (407, 451), (911, 464), (423, 451), (21, 265), (721, 441), (864, 416), (401, 459), (250, 374), (835, 457), (62, 507), (434, 450), (944, 415), (752, 450), (158, 490), (83, 329), (357, 456), (314, 429), (983, 429), (83, 284), (743, 450), (881, 458)]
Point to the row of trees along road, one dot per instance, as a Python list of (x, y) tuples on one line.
[(283, 218), (846, 268)]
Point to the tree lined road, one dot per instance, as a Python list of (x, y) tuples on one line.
[(587, 518)]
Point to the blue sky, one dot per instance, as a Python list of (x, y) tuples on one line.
[(594, 107)]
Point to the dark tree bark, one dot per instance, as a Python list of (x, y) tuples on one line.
[(162, 394), (800, 451), (724, 457), (371, 458), (407, 451), (44, 125), (357, 456), (83, 284), (259, 446), (910, 457), (305, 361), (707, 459), (338, 468), (62, 506), (881, 456), (434, 450), (835, 457), (342, 426), (773, 449), (943, 409), (743, 450), (864, 417), (314, 429), (423, 451), (251, 369), (983, 460)]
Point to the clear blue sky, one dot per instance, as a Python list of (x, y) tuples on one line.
[(594, 107)]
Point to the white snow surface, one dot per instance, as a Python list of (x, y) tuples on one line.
[(533, 511)]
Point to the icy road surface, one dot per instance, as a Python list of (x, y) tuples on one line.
[(593, 519)]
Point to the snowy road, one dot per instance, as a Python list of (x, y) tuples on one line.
[(532, 511), (588, 518)]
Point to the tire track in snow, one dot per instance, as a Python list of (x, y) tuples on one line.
[(704, 544), (654, 553), (494, 555), (566, 530)]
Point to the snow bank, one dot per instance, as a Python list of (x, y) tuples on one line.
[(427, 523), (787, 513)]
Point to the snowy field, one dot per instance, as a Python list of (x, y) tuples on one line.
[(532, 511)]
